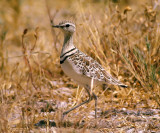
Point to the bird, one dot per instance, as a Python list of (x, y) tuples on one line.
[(82, 68)]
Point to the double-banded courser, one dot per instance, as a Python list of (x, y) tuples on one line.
[(86, 71)]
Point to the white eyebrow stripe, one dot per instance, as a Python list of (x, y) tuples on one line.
[(69, 24)]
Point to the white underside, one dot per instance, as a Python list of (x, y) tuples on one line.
[(73, 73)]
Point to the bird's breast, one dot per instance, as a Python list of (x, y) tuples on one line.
[(73, 72)]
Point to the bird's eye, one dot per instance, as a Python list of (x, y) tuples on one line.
[(67, 25)]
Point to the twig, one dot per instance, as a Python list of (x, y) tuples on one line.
[(27, 60), (36, 37), (52, 22)]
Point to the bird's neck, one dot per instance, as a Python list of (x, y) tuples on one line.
[(68, 43)]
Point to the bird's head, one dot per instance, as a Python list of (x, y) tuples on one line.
[(66, 26)]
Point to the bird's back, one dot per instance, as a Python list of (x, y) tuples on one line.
[(84, 68)]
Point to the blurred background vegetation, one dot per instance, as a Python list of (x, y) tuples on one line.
[(123, 35)]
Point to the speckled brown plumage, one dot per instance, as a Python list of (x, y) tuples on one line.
[(91, 68), (82, 68)]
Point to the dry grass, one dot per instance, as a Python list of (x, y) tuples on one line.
[(123, 36)]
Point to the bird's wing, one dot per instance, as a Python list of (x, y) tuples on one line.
[(89, 67)]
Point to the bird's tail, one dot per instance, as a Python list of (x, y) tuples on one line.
[(118, 83), (111, 80), (124, 86)]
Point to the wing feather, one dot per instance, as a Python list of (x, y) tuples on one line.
[(89, 67)]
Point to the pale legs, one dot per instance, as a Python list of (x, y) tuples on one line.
[(91, 96)]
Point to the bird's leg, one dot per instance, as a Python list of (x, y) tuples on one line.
[(95, 98), (87, 101)]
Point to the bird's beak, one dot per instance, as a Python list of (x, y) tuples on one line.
[(56, 26)]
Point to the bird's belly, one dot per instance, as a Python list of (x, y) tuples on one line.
[(73, 73)]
